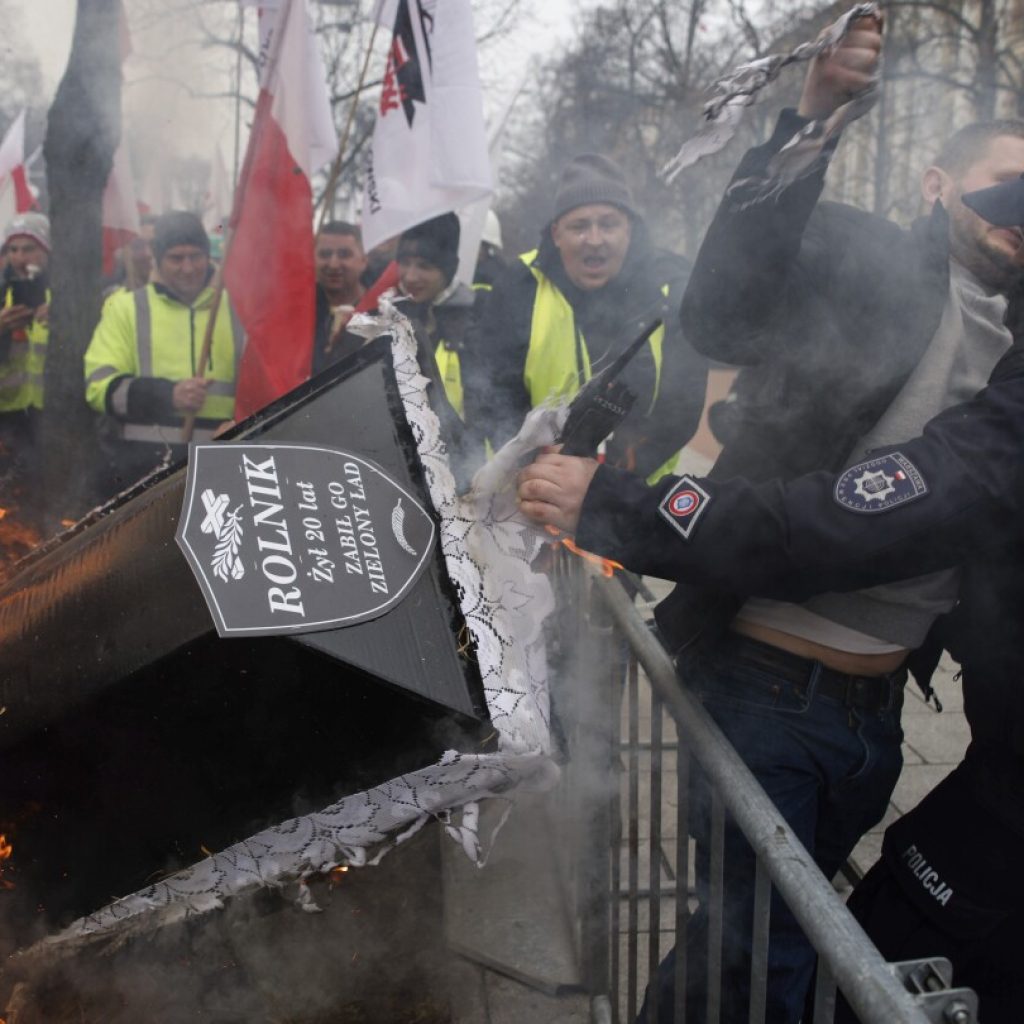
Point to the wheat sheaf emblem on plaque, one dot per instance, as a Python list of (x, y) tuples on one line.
[(226, 528)]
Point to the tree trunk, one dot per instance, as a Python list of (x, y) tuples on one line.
[(83, 130), (987, 70)]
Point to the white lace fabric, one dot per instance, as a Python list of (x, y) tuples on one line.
[(488, 549)]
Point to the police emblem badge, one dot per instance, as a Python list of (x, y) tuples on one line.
[(684, 505), (880, 484)]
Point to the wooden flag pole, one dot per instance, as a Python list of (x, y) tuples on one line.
[(130, 278), (217, 284), (327, 198)]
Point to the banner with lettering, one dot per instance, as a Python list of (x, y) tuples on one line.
[(293, 538), (428, 154)]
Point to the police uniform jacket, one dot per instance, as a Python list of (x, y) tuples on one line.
[(827, 309), (670, 394), (954, 496)]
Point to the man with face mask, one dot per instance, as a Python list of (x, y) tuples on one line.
[(142, 367), (852, 333), (563, 311)]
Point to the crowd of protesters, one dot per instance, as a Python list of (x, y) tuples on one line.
[(864, 512)]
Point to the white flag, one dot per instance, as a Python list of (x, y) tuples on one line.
[(429, 152), (473, 216), (120, 208)]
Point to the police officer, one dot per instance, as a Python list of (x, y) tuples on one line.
[(562, 311), (142, 365), (853, 333), (947, 883)]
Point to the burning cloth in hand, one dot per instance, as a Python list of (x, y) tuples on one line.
[(741, 88)]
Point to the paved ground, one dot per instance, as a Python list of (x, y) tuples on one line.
[(933, 746)]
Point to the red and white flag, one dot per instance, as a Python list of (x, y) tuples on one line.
[(15, 195), (269, 269), (429, 152), (120, 209)]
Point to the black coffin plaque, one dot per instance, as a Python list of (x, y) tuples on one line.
[(296, 538)]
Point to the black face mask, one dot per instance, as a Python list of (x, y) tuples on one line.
[(1001, 205)]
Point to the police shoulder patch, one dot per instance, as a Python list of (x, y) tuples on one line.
[(880, 484), (684, 505)]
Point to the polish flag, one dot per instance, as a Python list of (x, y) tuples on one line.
[(269, 268), (15, 195), (120, 209)]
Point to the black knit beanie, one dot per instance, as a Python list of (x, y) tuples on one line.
[(178, 227), (436, 241), (592, 178)]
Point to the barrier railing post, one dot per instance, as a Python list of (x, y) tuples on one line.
[(874, 993)]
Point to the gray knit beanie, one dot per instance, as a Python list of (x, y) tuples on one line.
[(178, 227), (592, 178)]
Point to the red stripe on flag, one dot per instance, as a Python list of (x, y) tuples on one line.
[(23, 198), (114, 239), (369, 299), (270, 273)]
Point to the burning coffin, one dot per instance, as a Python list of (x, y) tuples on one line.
[(135, 739)]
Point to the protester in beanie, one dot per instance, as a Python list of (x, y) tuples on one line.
[(564, 310), (428, 257)]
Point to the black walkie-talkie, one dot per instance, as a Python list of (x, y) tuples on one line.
[(601, 404)]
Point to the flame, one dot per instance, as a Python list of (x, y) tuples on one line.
[(606, 565), (17, 539), (335, 876), (6, 849)]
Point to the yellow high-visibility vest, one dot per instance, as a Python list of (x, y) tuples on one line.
[(146, 333), (557, 361), (21, 374), (447, 358)]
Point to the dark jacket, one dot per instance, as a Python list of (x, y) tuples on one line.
[(828, 309), (496, 395), (792, 540), (448, 321)]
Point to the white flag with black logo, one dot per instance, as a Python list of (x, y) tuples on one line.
[(429, 151)]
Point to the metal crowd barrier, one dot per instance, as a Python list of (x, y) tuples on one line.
[(631, 912)]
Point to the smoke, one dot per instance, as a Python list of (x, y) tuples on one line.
[(375, 952), (181, 82)]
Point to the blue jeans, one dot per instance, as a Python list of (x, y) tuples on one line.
[(829, 769)]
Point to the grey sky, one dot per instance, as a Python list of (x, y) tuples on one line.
[(198, 126)]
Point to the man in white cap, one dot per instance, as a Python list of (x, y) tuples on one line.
[(24, 333)]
